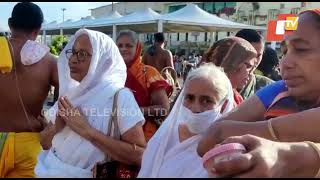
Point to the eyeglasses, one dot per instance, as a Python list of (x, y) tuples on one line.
[(81, 55), (129, 46)]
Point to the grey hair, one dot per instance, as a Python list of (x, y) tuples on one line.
[(131, 34), (216, 75)]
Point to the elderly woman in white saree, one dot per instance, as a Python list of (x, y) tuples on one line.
[(91, 70), (171, 152)]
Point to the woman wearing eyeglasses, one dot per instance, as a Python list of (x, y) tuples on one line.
[(91, 72)]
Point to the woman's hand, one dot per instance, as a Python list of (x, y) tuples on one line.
[(74, 118), (221, 130), (59, 123), (128, 150), (216, 133), (265, 158)]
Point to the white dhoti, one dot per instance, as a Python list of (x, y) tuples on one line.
[(50, 166)]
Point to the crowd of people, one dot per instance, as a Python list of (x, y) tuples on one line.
[(114, 117)]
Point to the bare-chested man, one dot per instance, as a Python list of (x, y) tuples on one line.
[(20, 137), (158, 57)]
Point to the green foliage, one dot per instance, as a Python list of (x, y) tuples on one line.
[(57, 44), (53, 50)]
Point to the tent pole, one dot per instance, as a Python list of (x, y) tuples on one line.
[(216, 34), (114, 32), (211, 38), (168, 40), (160, 26), (61, 32), (44, 37)]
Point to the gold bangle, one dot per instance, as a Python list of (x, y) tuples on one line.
[(271, 130), (316, 148)]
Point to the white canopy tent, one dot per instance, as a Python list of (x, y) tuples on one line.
[(188, 19), (50, 28), (99, 24), (145, 16), (140, 21), (67, 23), (106, 18), (68, 27), (51, 25), (193, 18), (72, 26), (81, 23)]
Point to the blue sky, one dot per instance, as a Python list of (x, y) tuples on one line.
[(52, 10)]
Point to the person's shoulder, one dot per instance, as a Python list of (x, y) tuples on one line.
[(273, 88), (125, 91), (167, 52), (263, 79), (269, 92), (125, 96), (146, 57), (48, 62), (280, 84), (259, 76), (150, 51), (50, 59)]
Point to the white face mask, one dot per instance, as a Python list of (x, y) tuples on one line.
[(32, 52), (198, 123)]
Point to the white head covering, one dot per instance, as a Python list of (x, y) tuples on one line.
[(71, 155), (106, 74), (158, 145)]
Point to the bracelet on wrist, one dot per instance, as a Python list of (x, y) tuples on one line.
[(271, 131)]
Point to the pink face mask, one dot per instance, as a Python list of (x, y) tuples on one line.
[(32, 52)]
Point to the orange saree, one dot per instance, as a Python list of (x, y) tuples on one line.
[(143, 80)]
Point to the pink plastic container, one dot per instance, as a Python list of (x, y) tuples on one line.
[(223, 151)]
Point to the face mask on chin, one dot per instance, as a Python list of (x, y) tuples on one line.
[(32, 52), (198, 123)]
